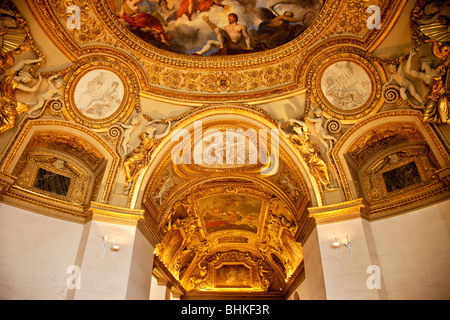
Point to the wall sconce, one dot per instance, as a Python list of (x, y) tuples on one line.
[(105, 241), (336, 245), (348, 245), (115, 247)]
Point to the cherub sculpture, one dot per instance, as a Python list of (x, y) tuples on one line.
[(16, 78), (319, 129)]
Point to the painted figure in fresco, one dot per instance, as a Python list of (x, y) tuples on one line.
[(229, 36), (189, 7), (278, 23), (129, 11), (164, 13), (269, 23), (15, 79)]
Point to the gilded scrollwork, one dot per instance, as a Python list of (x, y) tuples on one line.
[(345, 84), (355, 16), (383, 137), (68, 143), (224, 82), (252, 241), (399, 172), (34, 169), (90, 29), (105, 92)]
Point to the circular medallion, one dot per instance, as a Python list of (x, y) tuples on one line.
[(346, 86), (99, 94)]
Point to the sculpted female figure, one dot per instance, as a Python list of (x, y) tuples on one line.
[(140, 157), (309, 151), (320, 131)]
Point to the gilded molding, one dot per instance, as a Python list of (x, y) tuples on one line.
[(112, 214), (27, 125), (230, 78), (343, 180), (129, 101), (340, 212)]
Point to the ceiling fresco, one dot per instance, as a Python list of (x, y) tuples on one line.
[(230, 211), (213, 27)]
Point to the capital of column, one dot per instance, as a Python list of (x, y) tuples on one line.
[(348, 210)]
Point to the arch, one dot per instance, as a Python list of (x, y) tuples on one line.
[(213, 116), (375, 123), (103, 167)]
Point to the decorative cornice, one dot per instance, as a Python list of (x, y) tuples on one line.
[(444, 176), (340, 212), (179, 77), (112, 214)]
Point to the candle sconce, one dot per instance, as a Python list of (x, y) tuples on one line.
[(336, 245), (105, 242), (348, 245), (115, 247)]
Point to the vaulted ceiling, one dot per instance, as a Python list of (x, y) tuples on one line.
[(221, 153)]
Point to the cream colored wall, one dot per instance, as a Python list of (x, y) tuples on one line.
[(411, 249), (414, 252), (345, 277), (313, 286), (140, 279), (105, 277), (35, 252)]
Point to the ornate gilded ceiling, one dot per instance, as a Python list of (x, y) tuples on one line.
[(165, 74), (225, 159)]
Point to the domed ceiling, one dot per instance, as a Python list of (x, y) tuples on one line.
[(272, 38), (223, 127), (186, 26)]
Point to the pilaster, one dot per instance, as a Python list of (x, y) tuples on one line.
[(351, 266)]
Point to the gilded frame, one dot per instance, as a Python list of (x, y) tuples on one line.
[(122, 112), (372, 103)]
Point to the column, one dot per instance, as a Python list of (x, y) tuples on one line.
[(160, 290), (351, 269), (313, 286), (115, 258)]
